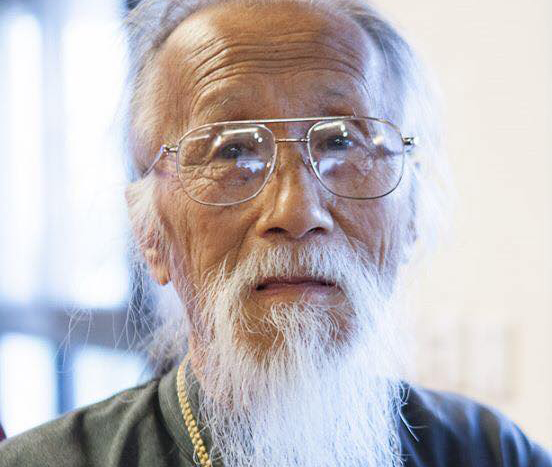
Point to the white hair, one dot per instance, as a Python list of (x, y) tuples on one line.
[(415, 106)]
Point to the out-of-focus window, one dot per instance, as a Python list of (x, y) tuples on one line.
[(100, 373), (21, 156), (27, 385), (63, 230), (93, 69)]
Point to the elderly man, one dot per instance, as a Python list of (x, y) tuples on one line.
[(280, 193)]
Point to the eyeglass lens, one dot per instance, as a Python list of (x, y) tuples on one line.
[(357, 158), (229, 163), (224, 164)]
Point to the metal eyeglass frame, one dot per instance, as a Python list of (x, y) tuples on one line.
[(409, 142)]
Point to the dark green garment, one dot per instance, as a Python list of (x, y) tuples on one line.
[(141, 427), (144, 427)]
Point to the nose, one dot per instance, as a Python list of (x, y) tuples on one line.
[(293, 205)]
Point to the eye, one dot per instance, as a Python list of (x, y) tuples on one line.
[(232, 151), (338, 143)]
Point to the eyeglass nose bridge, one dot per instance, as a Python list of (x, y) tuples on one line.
[(291, 140), (306, 160)]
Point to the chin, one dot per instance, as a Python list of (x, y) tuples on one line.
[(285, 328)]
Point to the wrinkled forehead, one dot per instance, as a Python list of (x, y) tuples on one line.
[(231, 50)]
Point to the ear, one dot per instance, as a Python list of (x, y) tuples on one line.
[(157, 266), (148, 231)]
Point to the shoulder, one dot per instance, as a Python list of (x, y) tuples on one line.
[(102, 434), (442, 428)]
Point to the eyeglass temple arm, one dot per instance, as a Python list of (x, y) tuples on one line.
[(164, 150)]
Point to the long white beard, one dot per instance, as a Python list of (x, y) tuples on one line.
[(308, 401)]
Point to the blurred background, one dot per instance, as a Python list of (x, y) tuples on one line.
[(482, 310)]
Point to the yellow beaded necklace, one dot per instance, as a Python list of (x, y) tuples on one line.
[(191, 425)]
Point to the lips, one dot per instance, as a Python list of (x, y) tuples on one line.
[(271, 283)]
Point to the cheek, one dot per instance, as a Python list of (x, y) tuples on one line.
[(202, 236), (379, 227), (173, 207)]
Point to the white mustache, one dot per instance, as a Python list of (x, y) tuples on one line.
[(320, 263)]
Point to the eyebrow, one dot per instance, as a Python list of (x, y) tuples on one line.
[(232, 103), (218, 106)]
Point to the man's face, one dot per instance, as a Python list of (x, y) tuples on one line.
[(238, 63)]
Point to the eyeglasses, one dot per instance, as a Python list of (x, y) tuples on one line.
[(226, 163)]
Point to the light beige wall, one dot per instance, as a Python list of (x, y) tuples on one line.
[(484, 311)]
